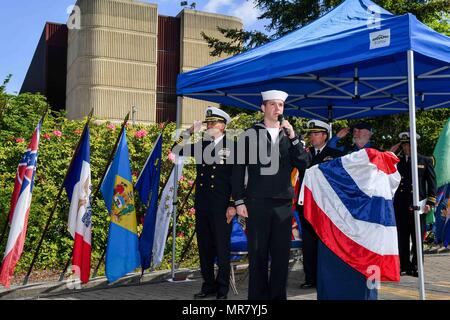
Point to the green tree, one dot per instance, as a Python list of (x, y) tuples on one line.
[(3, 98), (285, 16)]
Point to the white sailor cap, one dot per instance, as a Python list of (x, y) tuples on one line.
[(274, 95), (317, 126), (404, 136), (215, 114)]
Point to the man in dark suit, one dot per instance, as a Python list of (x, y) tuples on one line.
[(319, 133), (403, 202), (268, 151), (214, 155)]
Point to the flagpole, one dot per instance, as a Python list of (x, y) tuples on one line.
[(104, 249), (47, 225), (4, 227), (186, 247), (175, 192), (61, 277), (94, 198), (154, 146), (139, 215), (186, 198)]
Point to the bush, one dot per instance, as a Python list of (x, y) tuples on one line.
[(59, 137)]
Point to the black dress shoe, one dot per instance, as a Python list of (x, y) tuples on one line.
[(413, 273), (307, 285), (221, 296), (202, 295)]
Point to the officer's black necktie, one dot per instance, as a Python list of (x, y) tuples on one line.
[(317, 152)]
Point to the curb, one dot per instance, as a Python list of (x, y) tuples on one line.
[(36, 290)]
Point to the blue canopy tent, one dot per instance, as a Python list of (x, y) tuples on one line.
[(357, 61)]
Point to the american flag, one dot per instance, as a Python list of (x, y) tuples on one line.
[(20, 208)]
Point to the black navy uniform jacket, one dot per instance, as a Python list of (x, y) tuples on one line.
[(427, 180), (277, 186), (325, 155), (310, 239), (213, 185)]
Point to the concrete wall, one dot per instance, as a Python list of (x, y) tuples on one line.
[(112, 58), (111, 61), (195, 52)]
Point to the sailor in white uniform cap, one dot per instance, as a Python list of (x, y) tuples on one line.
[(266, 199), (274, 95)]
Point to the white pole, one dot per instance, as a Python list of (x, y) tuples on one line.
[(415, 179), (175, 193)]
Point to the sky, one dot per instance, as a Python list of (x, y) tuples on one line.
[(22, 22)]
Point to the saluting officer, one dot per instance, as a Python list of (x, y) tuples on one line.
[(213, 155), (362, 133), (403, 202), (318, 133), (271, 150)]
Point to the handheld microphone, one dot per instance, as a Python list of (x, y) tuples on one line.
[(281, 119)]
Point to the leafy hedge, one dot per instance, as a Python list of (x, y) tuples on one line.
[(59, 137), (18, 118)]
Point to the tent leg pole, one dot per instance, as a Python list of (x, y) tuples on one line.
[(412, 133), (175, 193)]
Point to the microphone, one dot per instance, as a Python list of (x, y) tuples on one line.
[(281, 119)]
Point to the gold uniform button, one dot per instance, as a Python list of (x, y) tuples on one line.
[(212, 177), (212, 186), (201, 184), (203, 165), (214, 167), (201, 174)]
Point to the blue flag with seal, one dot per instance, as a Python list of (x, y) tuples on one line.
[(122, 254), (148, 185)]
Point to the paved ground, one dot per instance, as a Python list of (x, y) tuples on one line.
[(437, 283)]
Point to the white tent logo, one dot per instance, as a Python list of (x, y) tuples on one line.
[(380, 39)]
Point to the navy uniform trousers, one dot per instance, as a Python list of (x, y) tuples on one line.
[(213, 238), (269, 234), (212, 197)]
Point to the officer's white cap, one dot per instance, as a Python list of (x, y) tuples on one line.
[(404, 136), (274, 95), (317, 126), (215, 114)]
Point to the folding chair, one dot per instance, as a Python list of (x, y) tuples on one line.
[(238, 250), (297, 242)]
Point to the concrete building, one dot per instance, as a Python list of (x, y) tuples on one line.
[(121, 54)]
